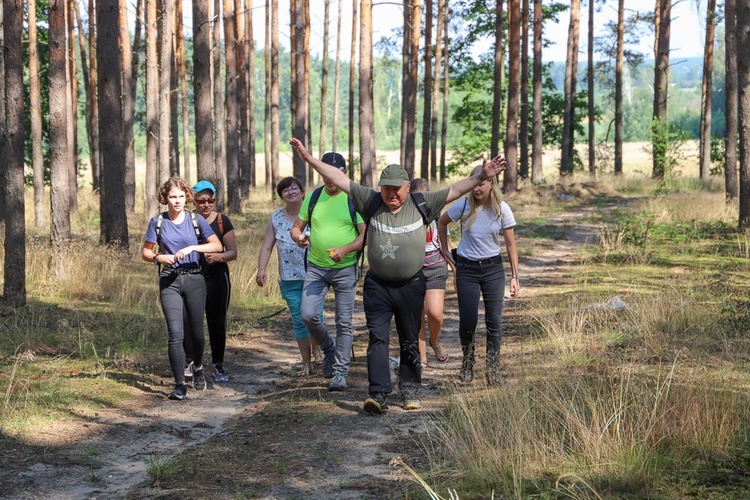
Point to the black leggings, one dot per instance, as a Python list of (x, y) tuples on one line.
[(183, 299), (218, 292)]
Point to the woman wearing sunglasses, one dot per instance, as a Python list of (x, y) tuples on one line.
[(216, 272), (181, 237)]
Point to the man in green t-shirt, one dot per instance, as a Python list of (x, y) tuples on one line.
[(395, 286), (332, 246)]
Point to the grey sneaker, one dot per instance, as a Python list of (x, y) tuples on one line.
[(338, 383), (179, 393), (189, 370), (328, 360), (376, 403), (199, 379), (411, 401), (220, 374)]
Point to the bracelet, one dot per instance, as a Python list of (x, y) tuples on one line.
[(514, 277), (155, 259)]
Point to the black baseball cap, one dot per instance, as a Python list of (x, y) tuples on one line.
[(335, 160)]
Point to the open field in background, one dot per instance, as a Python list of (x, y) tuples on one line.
[(650, 400)]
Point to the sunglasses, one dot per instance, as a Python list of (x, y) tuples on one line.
[(202, 201)]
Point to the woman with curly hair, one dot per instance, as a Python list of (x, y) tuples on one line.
[(181, 235), (484, 217)]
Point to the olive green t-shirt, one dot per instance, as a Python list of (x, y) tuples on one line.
[(395, 242), (331, 227)]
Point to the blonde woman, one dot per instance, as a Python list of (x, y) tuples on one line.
[(484, 217)]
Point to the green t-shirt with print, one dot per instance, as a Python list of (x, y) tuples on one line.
[(331, 227), (395, 242)]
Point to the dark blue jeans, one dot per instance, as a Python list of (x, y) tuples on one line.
[(183, 299), (488, 278), (382, 301)]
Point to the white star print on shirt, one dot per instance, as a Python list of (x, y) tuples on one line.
[(389, 250)]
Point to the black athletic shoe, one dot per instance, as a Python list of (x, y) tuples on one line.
[(376, 403), (199, 379), (179, 393)]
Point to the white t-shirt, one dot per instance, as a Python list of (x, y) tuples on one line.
[(483, 239)]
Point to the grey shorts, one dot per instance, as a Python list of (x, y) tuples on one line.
[(435, 271)]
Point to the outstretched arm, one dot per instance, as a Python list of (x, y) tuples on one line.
[(489, 170), (328, 171)]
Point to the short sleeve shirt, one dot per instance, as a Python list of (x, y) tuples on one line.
[(175, 237), (226, 225), (396, 242), (482, 239), (331, 227)]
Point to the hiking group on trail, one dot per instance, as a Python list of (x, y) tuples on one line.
[(319, 239)]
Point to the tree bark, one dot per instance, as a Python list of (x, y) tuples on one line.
[(59, 156), (152, 110), (337, 80), (446, 90), (267, 101), (352, 77), (206, 168), (165, 76), (299, 117), (436, 92), (275, 134), (366, 105), (428, 92), (232, 112), (661, 89), (497, 88), (730, 103), (219, 113), (93, 82), (130, 180), (174, 106), (618, 85), (240, 51), (112, 206), (250, 48), (524, 129), (571, 71), (704, 155), (411, 81), (14, 269), (590, 85), (72, 110), (128, 106), (35, 111), (537, 175), (182, 66), (743, 87), (324, 81), (510, 179)]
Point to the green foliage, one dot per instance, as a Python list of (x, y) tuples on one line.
[(666, 143)]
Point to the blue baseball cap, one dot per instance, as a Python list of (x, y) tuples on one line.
[(204, 186)]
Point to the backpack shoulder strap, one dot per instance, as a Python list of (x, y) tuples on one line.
[(221, 223), (352, 213), (196, 226), (159, 223), (421, 204), (314, 197)]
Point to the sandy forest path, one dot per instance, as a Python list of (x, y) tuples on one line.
[(267, 433)]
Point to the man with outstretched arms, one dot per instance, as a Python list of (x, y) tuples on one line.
[(395, 286)]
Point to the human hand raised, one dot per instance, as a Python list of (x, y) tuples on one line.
[(493, 167), (298, 147)]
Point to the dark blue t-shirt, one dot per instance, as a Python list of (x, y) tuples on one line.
[(175, 237)]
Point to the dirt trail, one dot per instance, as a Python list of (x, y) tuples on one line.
[(283, 436)]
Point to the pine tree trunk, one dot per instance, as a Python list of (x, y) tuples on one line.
[(93, 82), (436, 92), (35, 111), (14, 269), (337, 80), (299, 119), (58, 140), (152, 110), (243, 156), (128, 104), (267, 101), (174, 106), (537, 175), (590, 85), (232, 111), (524, 129), (730, 103), (73, 107), (661, 89), (497, 88), (275, 134), (367, 157), (165, 86), (411, 81), (743, 124), (704, 155), (219, 113), (352, 81), (206, 168), (618, 85), (571, 72), (112, 206), (446, 90), (250, 48), (510, 179), (324, 81), (182, 66), (428, 91)]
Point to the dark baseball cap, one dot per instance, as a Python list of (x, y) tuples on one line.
[(335, 160)]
